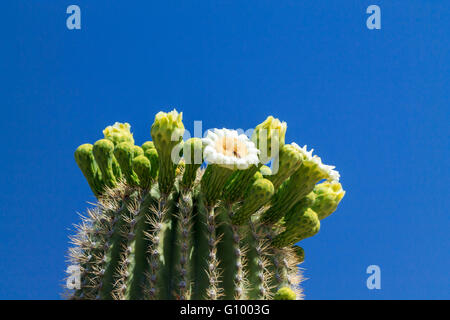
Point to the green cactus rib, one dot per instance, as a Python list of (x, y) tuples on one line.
[(278, 268), (200, 250), (93, 244), (214, 290), (171, 251), (116, 246), (185, 224), (155, 284), (257, 262), (230, 252), (137, 253), (201, 218)]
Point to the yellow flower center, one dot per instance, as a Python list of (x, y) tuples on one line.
[(231, 147)]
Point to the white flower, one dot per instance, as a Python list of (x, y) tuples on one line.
[(229, 149), (333, 175)]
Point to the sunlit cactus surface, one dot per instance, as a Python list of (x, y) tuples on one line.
[(212, 218)]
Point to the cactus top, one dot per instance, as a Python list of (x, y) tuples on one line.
[(165, 228), (308, 157), (229, 149), (119, 132)]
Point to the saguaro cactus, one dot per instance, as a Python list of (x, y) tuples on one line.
[(167, 227)]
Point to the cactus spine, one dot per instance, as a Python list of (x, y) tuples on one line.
[(166, 228)]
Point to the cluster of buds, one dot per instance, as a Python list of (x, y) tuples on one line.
[(218, 216)]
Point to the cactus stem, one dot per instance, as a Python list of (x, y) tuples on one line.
[(89, 251), (280, 277), (136, 249), (258, 261), (214, 292), (294, 275), (155, 238), (283, 266), (240, 254), (114, 247), (185, 244), (128, 232), (232, 253), (200, 247)]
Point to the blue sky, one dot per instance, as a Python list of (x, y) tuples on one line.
[(375, 103)]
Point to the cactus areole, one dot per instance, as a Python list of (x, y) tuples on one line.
[(166, 227)]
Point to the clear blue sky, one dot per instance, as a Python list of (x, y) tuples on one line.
[(375, 103)]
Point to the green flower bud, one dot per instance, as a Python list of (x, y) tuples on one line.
[(137, 151), (85, 160), (258, 195), (327, 197), (265, 171), (258, 175), (141, 165), (125, 153), (193, 157), (268, 137), (152, 155), (167, 132), (302, 225), (119, 132), (285, 164), (148, 145), (103, 151), (193, 151), (285, 293)]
